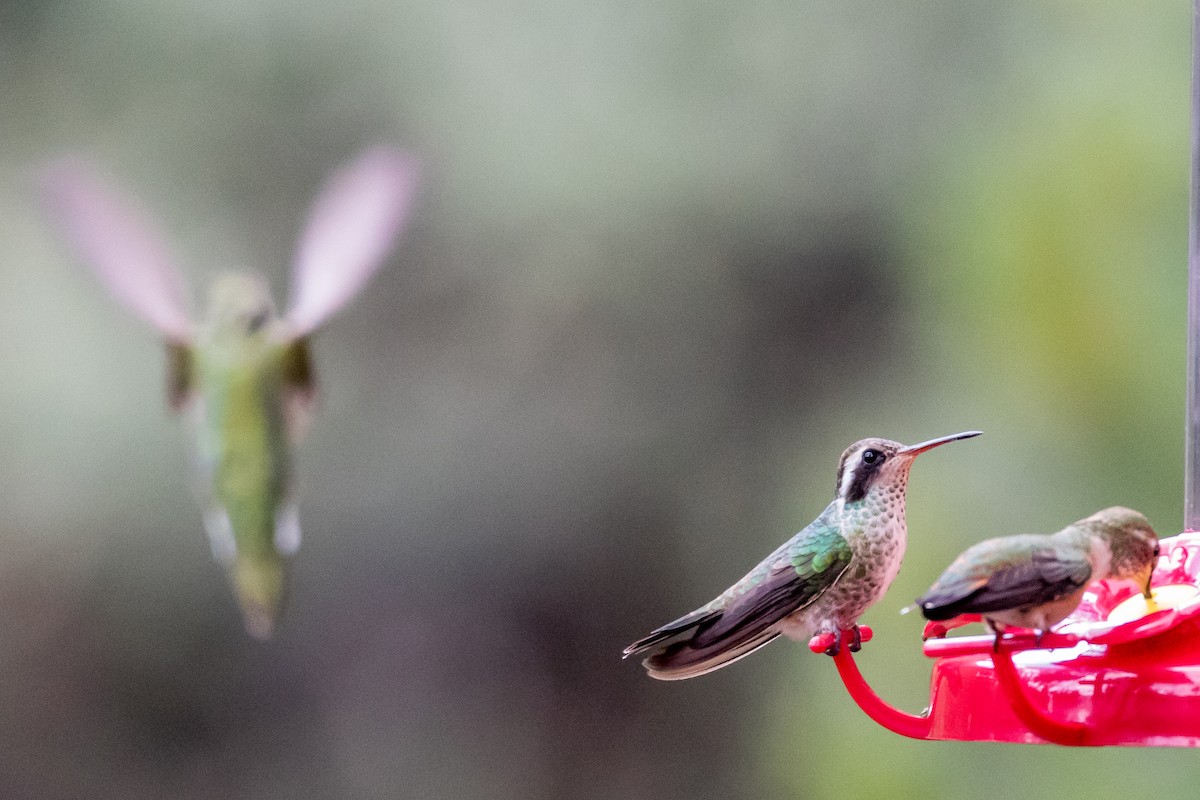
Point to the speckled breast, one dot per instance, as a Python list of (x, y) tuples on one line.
[(877, 533)]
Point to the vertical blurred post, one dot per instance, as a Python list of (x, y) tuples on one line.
[(1191, 498)]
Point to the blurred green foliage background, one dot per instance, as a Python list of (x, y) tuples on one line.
[(668, 260)]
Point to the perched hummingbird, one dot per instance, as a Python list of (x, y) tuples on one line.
[(242, 374), (1036, 580), (820, 581)]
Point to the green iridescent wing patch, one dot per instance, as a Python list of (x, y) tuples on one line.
[(816, 556)]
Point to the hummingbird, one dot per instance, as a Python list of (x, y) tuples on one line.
[(242, 375), (819, 581), (1036, 580)]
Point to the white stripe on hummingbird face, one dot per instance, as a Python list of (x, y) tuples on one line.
[(852, 464)]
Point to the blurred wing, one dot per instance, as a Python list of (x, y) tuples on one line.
[(350, 229), (794, 576), (111, 235), (1004, 574)]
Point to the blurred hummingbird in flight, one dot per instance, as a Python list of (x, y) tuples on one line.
[(243, 374), (1036, 580), (819, 581)]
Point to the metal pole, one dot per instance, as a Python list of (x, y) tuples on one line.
[(1191, 474)]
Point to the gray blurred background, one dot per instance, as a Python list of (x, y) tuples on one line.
[(668, 260)]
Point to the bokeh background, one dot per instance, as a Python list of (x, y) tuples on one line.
[(668, 260)]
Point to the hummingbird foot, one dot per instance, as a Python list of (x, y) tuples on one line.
[(830, 642), (827, 642)]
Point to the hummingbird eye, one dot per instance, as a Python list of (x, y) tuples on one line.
[(871, 456)]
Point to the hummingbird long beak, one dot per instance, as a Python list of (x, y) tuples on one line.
[(917, 449)]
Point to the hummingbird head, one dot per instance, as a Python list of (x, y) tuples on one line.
[(239, 305), (1131, 541), (881, 462)]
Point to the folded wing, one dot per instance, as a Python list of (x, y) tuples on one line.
[(1007, 573), (745, 617)]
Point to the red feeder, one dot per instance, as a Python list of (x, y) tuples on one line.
[(1107, 676)]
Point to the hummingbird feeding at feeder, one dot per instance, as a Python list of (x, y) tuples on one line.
[(1037, 580), (820, 581), (242, 374)]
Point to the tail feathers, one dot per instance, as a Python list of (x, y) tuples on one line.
[(256, 564), (674, 655), (671, 630), (939, 613), (259, 584), (939, 607), (680, 660)]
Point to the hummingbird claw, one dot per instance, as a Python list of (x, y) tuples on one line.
[(830, 642), (823, 642), (856, 642), (996, 629), (933, 630)]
